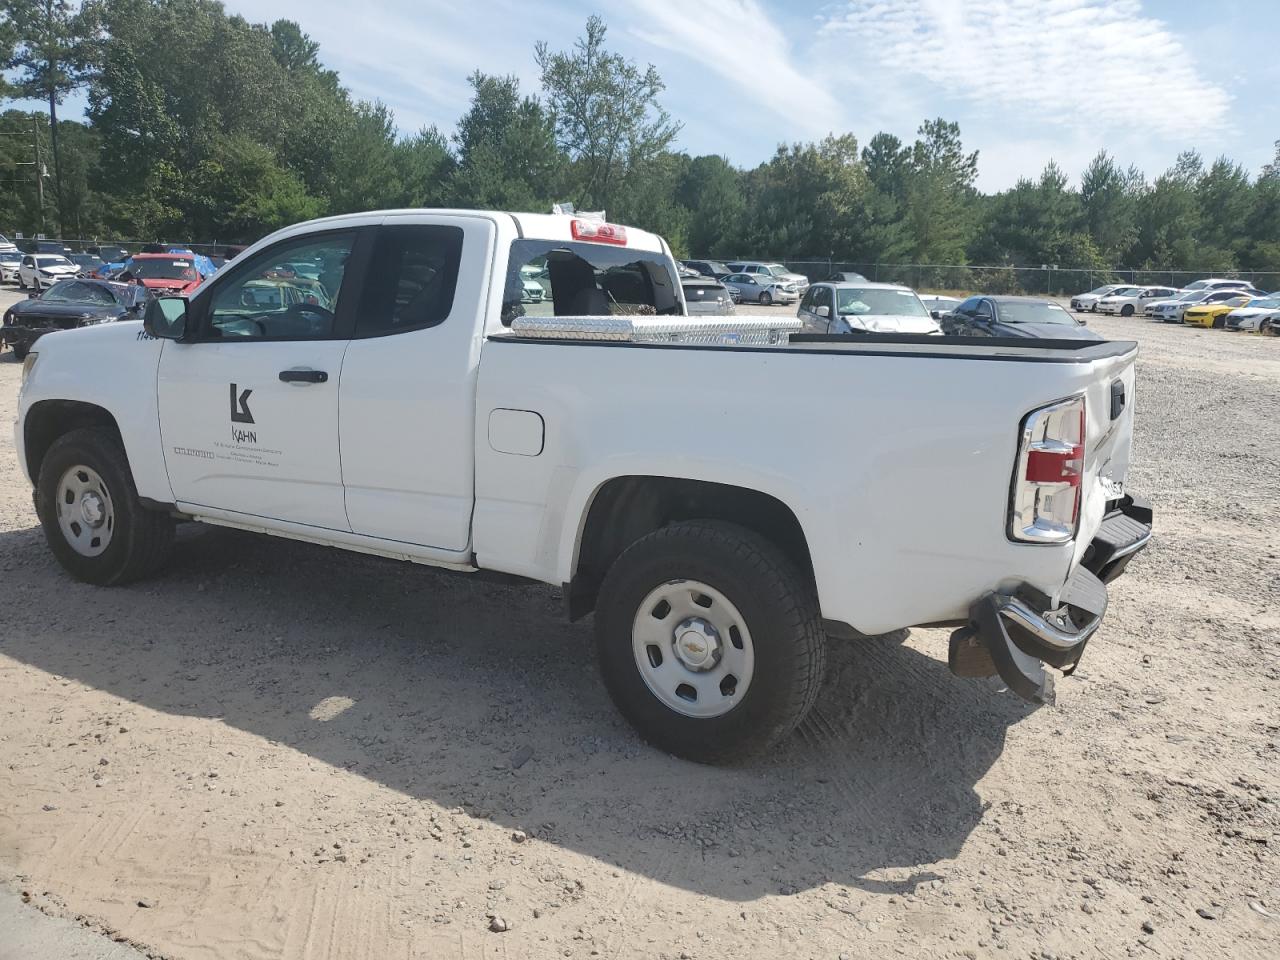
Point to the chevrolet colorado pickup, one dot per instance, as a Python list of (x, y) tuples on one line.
[(725, 497)]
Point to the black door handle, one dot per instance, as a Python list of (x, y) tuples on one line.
[(304, 376)]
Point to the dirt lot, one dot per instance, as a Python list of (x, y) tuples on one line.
[(281, 751)]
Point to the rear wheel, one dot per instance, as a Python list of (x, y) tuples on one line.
[(766, 299), (92, 518), (709, 640)]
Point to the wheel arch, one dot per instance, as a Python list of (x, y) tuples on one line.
[(622, 509), (47, 420)]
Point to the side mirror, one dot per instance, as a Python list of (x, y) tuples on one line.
[(936, 314), (824, 311), (32, 295), (166, 318)]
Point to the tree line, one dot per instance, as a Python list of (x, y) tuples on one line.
[(204, 126)]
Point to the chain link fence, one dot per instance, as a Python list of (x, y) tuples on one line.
[(79, 245), (1042, 281)]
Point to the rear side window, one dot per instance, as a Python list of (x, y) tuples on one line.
[(548, 278), (412, 277)]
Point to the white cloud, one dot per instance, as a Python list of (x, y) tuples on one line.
[(742, 42), (1079, 63)]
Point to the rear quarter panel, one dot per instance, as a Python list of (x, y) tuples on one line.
[(898, 468)]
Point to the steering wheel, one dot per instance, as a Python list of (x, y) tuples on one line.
[(298, 310)]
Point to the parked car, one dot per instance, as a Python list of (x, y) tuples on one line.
[(1089, 301), (1214, 283), (839, 308), (777, 271), (163, 272), (1171, 311), (1258, 314), (938, 304), (110, 253), (531, 283), (1014, 317), (681, 491), (705, 296), (40, 270), (1127, 301), (760, 288), (7, 245), (9, 262), (66, 305), (1215, 314), (88, 263), (846, 276), (708, 268)]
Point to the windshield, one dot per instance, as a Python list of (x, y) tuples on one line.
[(776, 269), (1124, 291), (1032, 311), (1198, 285), (881, 301), (10, 255), (75, 291), (1191, 297), (163, 269), (53, 262), (1103, 291), (1266, 303)]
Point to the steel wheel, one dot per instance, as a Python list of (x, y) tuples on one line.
[(86, 513), (693, 649)]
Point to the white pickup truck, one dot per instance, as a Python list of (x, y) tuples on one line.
[(726, 499)]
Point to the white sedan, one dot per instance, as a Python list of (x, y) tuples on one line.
[(1260, 314), (43, 270), (1133, 300), (1089, 301)]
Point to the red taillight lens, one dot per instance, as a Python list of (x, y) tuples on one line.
[(597, 231), (1045, 502)]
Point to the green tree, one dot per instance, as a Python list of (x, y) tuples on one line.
[(606, 111), (712, 191), (939, 194), (506, 149), (1109, 199), (53, 51)]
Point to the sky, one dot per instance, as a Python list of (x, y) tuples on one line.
[(1027, 80)]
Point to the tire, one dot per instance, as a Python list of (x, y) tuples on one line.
[(766, 299), (781, 634), (22, 284), (134, 541), (1126, 310), (20, 351)]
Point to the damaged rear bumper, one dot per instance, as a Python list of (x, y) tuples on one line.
[(1016, 634)]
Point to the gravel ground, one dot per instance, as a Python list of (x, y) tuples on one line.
[(277, 750)]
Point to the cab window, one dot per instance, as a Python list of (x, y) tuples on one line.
[(412, 277), (288, 292), (547, 278)]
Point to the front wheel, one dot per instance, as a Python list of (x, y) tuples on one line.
[(709, 640), (22, 284), (766, 299), (1127, 310), (20, 351), (92, 518)]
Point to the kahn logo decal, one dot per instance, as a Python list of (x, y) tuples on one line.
[(240, 412)]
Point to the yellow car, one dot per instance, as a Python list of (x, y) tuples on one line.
[(1213, 314)]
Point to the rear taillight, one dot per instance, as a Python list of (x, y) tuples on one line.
[(597, 231), (1045, 504)]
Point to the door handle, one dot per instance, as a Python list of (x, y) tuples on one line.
[(304, 376)]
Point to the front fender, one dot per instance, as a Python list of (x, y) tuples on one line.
[(112, 366)]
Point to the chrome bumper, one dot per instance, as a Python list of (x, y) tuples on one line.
[(1016, 634)]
